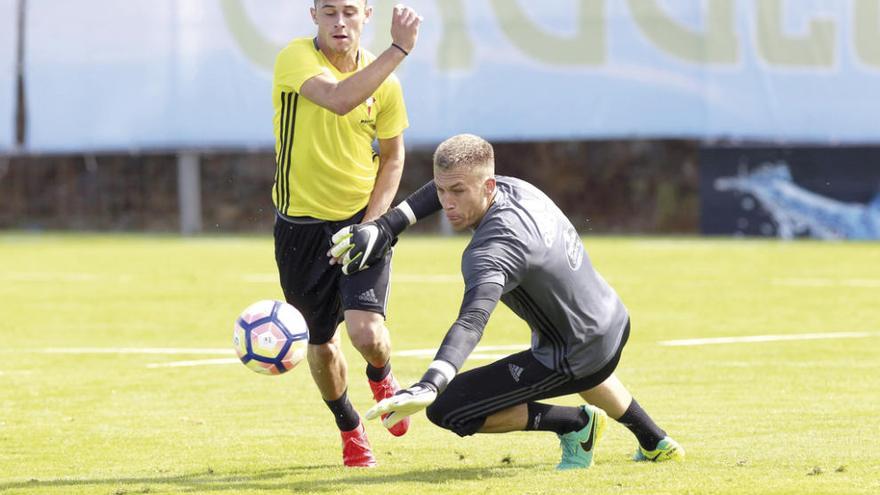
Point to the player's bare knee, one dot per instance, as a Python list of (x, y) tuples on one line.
[(366, 343), (368, 336), (325, 352), (359, 322)]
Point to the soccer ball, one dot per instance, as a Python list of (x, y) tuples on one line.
[(270, 337)]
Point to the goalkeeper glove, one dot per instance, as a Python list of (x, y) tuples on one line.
[(359, 246), (411, 400), (404, 403)]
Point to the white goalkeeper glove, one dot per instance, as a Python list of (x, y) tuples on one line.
[(404, 403), (356, 247)]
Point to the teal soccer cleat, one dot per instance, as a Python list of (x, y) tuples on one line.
[(578, 446), (666, 450)]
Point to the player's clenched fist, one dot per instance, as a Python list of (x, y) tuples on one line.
[(405, 24)]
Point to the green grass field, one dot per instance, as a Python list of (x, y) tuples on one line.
[(789, 416)]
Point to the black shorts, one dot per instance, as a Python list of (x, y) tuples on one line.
[(317, 289), (476, 394)]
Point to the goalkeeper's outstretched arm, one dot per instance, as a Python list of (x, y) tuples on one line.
[(464, 335), (460, 340)]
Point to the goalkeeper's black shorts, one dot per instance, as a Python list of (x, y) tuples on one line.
[(476, 394), (318, 290)]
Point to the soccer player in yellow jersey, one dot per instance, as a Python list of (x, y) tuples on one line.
[(332, 99)]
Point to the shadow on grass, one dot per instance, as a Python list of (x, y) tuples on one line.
[(335, 479)]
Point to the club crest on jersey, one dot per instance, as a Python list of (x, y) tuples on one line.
[(370, 120), (573, 248)]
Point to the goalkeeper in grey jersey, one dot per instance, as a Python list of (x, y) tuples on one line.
[(525, 253)]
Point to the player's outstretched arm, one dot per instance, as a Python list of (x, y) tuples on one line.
[(460, 340), (356, 247)]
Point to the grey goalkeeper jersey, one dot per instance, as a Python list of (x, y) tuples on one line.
[(526, 244)]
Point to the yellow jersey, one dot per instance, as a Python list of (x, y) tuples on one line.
[(325, 166)]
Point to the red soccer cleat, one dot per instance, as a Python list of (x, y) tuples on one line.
[(384, 389), (356, 448)]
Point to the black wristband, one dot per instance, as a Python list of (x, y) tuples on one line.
[(435, 379), (395, 45), (395, 221)]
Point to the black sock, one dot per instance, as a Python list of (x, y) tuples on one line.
[(347, 418), (378, 374), (561, 419), (643, 427)]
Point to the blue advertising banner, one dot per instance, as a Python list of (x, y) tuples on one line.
[(826, 193), (107, 74), (104, 74), (8, 30)]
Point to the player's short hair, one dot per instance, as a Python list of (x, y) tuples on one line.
[(366, 2), (465, 150)]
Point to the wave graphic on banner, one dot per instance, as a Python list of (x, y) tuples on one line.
[(796, 210)]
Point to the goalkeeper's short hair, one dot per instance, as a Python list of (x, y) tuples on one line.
[(468, 151)]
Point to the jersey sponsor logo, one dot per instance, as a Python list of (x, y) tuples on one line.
[(368, 296), (515, 371), (573, 248)]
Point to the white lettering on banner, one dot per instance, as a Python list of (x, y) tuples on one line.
[(168, 74), (715, 42)]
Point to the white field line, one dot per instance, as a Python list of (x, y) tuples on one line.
[(827, 282), (138, 350), (254, 278), (482, 348), (194, 362), (221, 351), (208, 362), (480, 352), (768, 338), (61, 277), (267, 278)]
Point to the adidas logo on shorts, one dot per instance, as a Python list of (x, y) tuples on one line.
[(537, 422), (515, 371), (368, 296)]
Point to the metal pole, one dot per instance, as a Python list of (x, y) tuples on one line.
[(20, 108), (189, 193)]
